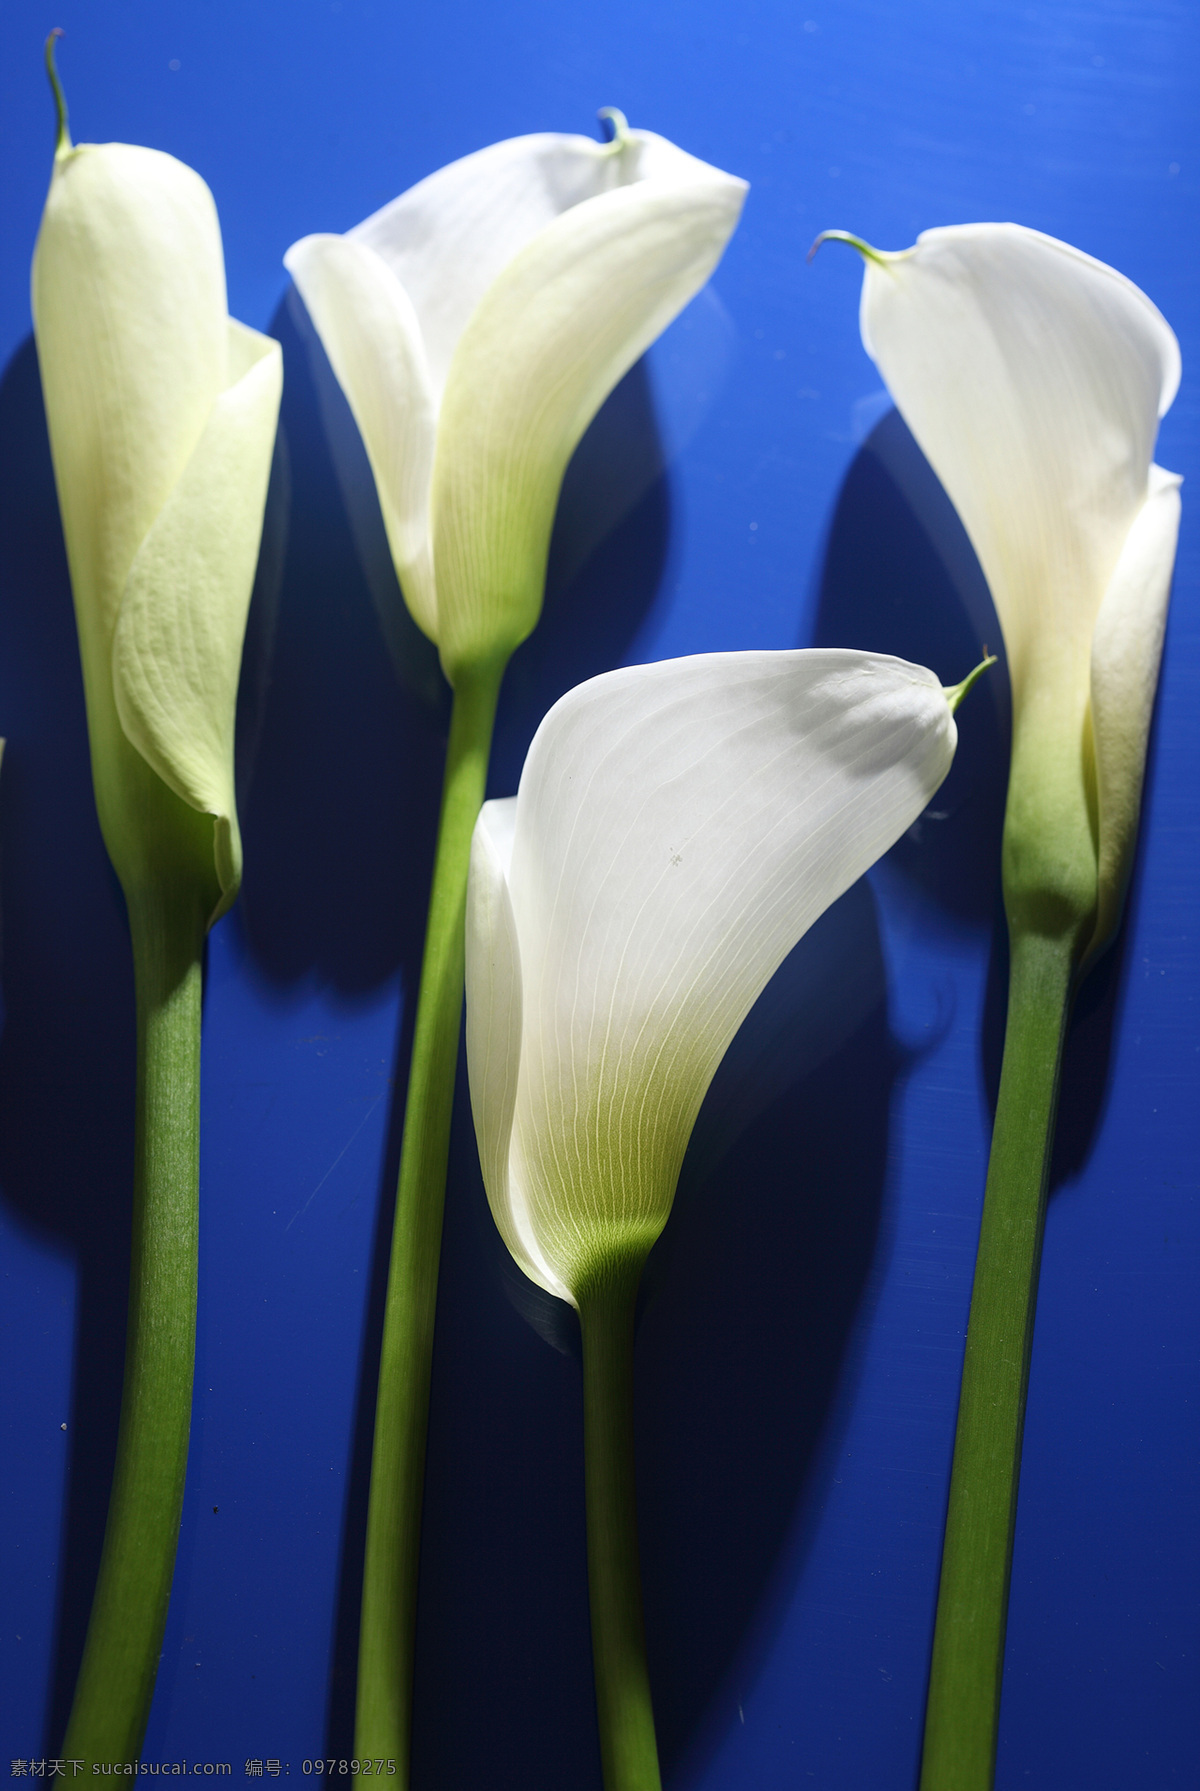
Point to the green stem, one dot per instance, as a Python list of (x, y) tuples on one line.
[(627, 1745), (129, 1610), (968, 1647), (385, 1660)]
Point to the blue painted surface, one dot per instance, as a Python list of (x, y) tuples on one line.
[(802, 1327)]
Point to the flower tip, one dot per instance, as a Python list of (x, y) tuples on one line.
[(954, 693), (62, 142), (612, 115), (856, 242)]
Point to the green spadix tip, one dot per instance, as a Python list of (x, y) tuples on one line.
[(856, 242), (62, 142), (620, 126), (954, 693)]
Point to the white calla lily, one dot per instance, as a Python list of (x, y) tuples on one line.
[(677, 828), (477, 323), (162, 413), (1033, 378)]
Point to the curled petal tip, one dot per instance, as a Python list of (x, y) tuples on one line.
[(856, 242), (62, 142), (954, 693), (620, 126)]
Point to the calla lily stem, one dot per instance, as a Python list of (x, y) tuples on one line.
[(129, 1610), (627, 1744), (963, 1710), (385, 1662)]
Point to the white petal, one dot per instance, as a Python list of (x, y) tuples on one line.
[(161, 416), (1033, 378), (678, 827), (447, 238), (552, 336), (130, 315), (1126, 651), (370, 332), (493, 981), (177, 647)]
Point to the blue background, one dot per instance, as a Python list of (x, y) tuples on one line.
[(801, 1336)]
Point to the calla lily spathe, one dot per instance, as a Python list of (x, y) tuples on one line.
[(476, 325), (677, 828), (1033, 377), (162, 414)]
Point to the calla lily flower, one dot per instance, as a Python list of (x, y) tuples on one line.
[(162, 413), (677, 828), (476, 325), (1033, 378)]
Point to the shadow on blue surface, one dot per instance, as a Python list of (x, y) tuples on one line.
[(339, 804), (751, 1305), (901, 576), (67, 1052)]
